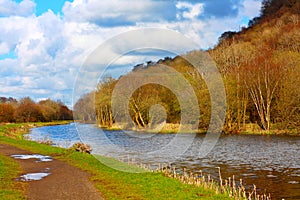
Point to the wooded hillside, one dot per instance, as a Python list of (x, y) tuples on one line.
[(260, 66)]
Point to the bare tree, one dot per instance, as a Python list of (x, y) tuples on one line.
[(262, 79)]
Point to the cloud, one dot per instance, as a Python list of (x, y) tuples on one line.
[(9, 67), (189, 11), (39, 44), (50, 48), (9, 8), (108, 13), (221, 9), (250, 8), (111, 13), (202, 21), (3, 48), (15, 29)]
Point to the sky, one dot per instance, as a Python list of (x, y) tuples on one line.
[(43, 43)]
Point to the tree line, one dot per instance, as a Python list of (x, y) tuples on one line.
[(26, 110), (260, 68), (96, 105)]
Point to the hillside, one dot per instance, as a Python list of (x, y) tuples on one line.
[(263, 63), (260, 66)]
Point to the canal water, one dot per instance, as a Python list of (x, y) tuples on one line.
[(272, 163)]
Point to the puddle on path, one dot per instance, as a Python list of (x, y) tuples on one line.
[(33, 176), (40, 158)]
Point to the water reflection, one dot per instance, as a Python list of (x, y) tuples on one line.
[(33, 176), (40, 158)]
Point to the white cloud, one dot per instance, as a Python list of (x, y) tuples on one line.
[(8, 67), (4, 48), (117, 12), (38, 43), (51, 48), (10, 7), (250, 8), (193, 10)]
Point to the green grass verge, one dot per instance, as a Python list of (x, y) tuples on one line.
[(114, 184), (17, 130), (9, 188)]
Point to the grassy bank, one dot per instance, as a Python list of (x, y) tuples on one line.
[(255, 129), (9, 170), (250, 129), (17, 130), (111, 183)]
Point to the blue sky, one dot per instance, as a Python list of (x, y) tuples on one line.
[(44, 43), (43, 6)]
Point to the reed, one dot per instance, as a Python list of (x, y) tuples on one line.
[(230, 186), (234, 189)]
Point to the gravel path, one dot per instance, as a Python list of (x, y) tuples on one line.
[(63, 183)]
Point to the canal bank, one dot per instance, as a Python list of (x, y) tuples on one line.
[(271, 162), (115, 184)]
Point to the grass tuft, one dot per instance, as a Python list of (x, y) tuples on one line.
[(9, 188)]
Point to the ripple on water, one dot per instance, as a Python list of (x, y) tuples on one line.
[(271, 176), (293, 182), (250, 175)]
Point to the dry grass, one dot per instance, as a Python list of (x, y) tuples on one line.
[(234, 189)]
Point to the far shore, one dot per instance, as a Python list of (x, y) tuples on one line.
[(251, 129)]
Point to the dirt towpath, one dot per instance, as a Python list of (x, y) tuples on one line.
[(64, 182)]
